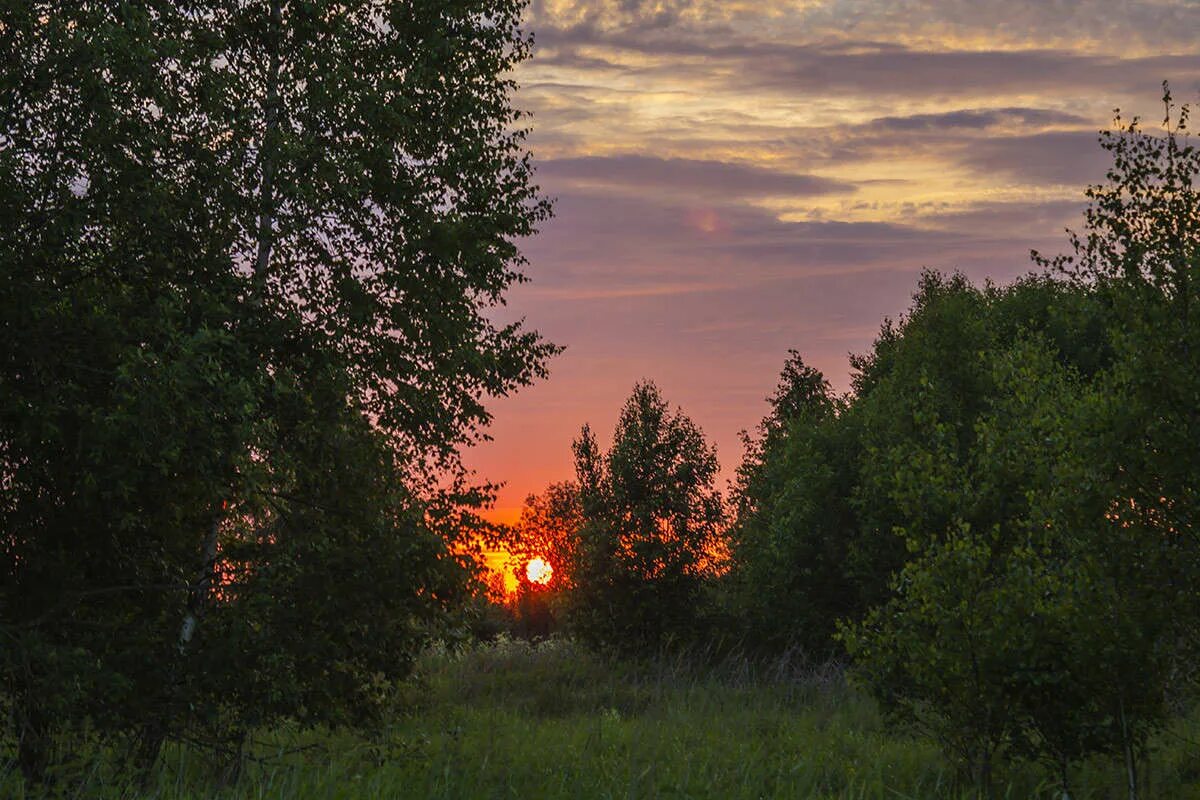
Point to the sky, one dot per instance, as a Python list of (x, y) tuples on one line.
[(734, 178)]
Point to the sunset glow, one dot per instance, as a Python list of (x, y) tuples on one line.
[(499, 565), (539, 571), (733, 179)]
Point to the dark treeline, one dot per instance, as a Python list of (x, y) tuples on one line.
[(996, 525)]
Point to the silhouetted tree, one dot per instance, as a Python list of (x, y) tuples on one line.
[(548, 528), (652, 527), (788, 580), (248, 254)]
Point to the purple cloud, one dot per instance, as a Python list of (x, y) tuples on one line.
[(708, 178)]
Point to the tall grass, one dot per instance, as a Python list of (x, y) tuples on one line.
[(513, 720)]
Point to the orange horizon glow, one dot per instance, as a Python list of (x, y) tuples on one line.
[(508, 568), (499, 563), (502, 515)]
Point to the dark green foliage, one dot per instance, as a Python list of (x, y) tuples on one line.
[(788, 582), (828, 493), (976, 629), (1046, 605), (921, 392), (1141, 253), (248, 252), (652, 525)]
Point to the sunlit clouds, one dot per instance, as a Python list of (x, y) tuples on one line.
[(737, 178)]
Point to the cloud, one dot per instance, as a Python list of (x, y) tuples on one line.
[(964, 73), (605, 248), (1147, 26), (903, 49), (683, 175), (610, 14), (1066, 157), (975, 119), (875, 69), (737, 177), (1015, 218)]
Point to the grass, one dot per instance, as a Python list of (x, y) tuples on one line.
[(511, 720)]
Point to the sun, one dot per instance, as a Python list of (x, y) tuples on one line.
[(538, 570)]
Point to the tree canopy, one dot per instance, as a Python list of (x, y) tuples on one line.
[(249, 254), (652, 524)]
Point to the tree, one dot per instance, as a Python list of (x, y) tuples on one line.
[(794, 524), (937, 363), (1140, 253), (652, 527), (249, 251), (822, 498), (546, 535), (548, 528), (976, 624), (1048, 595)]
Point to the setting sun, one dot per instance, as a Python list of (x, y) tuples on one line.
[(538, 570)]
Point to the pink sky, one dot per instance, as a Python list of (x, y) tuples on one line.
[(737, 178)]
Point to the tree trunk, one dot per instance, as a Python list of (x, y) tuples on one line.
[(155, 733), (983, 778), (199, 593), (268, 154), (150, 744), (1127, 746)]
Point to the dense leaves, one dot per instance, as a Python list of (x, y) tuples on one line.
[(1046, 606), (249, 251), (1001, 513), (652, 524)]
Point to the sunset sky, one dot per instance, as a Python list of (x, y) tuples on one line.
[(734, 178)]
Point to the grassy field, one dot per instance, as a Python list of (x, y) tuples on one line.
[(514, 721)]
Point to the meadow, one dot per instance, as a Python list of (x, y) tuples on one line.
[(510, 719)]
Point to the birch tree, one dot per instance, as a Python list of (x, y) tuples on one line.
[(249, 254)]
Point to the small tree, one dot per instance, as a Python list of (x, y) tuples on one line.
[(548, 528), (544, 538), (983, 619), (788, 579), (1049, 588), (1140, 253), (652, 527)]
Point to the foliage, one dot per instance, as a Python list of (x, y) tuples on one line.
[(652, 526), (249, 252), (921, 391), (794, 524), (982, 633), (1141, 253), (558, 721), (548, 528), (1042, 607), (827, 491)]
